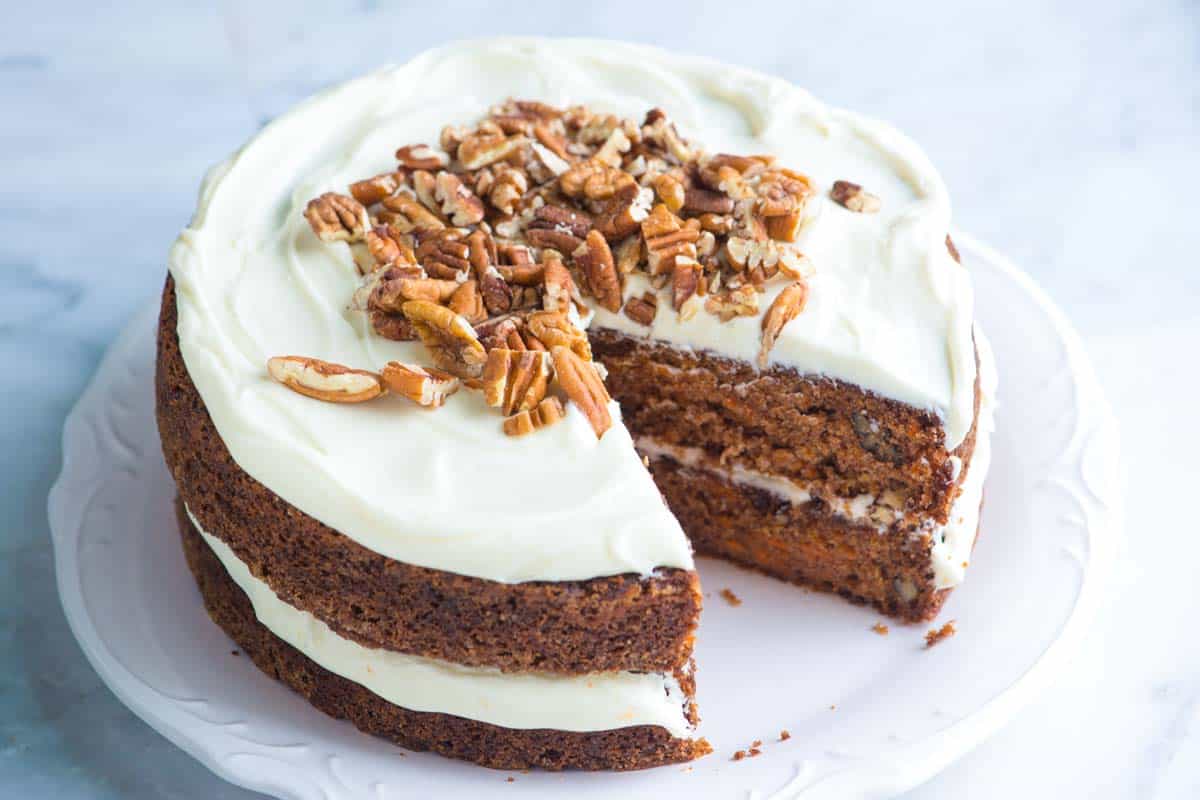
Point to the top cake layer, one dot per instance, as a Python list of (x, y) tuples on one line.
[(888, 310)]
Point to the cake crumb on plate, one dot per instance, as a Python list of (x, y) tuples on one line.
[(940, 634), (730, 597), (880, 628)]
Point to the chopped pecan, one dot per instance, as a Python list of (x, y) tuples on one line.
[(391, 295), (616, 145), (739, 302), (553, 329), (508, 187), (548, 412), (716, 223), (389, 246), (468, 302), (411, 213), (421, 156), (685, 280), (487, 145), (594, 180), (497, 295), (782, 192), (785, 228), (624, 212), (449, 337), (552, 140), (481, 251), (372, 190), (392, 326), (515, 380), (642, 310), (786, 306), (659, 130), (323, 380), (563, 219), (583, 386), (629, 254), (337, 218), (544, 163), (698, 200), (595, 259), (670, 191), (728, 173), (557, 285), (503, 331), (458, 202), (444, 254), (425, 386), (667, 237), (854, 197), (424, 185), (514, 254)]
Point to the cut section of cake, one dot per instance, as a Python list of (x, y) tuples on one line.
[(451, 385)]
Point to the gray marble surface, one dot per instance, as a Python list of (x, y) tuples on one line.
[(1069, 134)]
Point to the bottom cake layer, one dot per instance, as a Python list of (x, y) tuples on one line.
[(634, 747), (801, 543)]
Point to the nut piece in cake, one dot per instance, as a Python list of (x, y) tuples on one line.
[(450, 338), (583, 386), (322, 380), (854, 197), (337, 218), (786, 307), (515, 380), (545, 414), (425, 386)]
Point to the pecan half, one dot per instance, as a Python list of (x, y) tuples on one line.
[(548, 412), (595, 259), (323, 380), (449, 337), (515, 380), (583, 386), (854, 197), (337, 218), (425, 386), (786, 306)]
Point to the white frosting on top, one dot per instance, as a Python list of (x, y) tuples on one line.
[(593, 702), (888, 310)]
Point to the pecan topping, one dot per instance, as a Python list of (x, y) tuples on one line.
[(685, 280), (409, 214), (322, 380), (583, 387), (372, 190), (507, 188), (337, 218), (786, 306), (421, 156), (450, 338), (468, 303), (458, 202), (425, 386), (595, 259), (557, 285), (392, 326), (388, 246), (487, 146), (642, 310), (739, 302), (553, 329), (390, 295), (548, 412), (515, 380), (854, 197), (670, 191)]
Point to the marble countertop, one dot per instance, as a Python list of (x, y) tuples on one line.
[(1069, 134)]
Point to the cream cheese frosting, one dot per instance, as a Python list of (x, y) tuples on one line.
[(888, 310), (593, 702)]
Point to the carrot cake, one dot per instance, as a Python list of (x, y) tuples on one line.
[(432, 358)]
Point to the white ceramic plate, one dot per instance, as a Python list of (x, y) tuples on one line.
[(869, 715)]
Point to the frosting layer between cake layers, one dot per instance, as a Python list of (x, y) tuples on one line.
[(888, 310), (595, 702)]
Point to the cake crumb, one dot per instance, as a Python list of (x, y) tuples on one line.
[(833, 707), (784, 735), (940, 634), (756, 743), (731, 598), (754, 752), (510, 779), (234, 653), (738, 755), (880, 628)]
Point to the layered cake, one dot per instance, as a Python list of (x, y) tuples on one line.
[(458, 363)]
